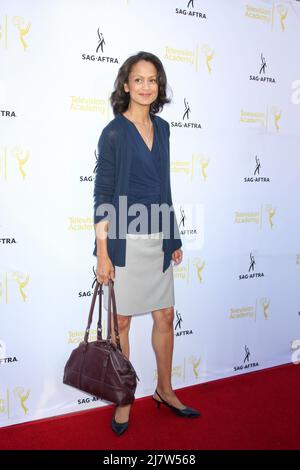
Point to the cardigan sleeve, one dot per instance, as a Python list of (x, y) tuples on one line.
[(105, 173), (169, 167)]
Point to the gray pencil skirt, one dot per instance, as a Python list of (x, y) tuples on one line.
[(141, 286)]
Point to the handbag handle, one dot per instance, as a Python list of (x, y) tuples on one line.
[(110, 315)]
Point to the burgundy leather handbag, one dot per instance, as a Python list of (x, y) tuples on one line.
[(99, 367)]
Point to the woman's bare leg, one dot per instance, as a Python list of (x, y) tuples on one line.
[(163, 345), (122, 412)]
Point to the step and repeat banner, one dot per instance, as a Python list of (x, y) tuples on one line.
[(234, 77)]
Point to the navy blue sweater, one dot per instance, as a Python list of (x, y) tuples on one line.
[(112, 180)]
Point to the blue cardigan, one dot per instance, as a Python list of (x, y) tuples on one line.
[(112, 180)]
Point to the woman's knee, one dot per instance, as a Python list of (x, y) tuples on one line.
[(124, 323), (164, 318)]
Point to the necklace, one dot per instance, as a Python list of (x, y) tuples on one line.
[(149, 132)]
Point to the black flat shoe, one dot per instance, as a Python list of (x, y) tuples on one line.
[(185, 412), (119, 428)]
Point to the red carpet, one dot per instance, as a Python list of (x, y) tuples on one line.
[(258, 410)]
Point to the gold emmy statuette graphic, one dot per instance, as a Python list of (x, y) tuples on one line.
[(19, 391), (271, 212), (265, 303), (209, 54), (195, 364), (199, 268), (2, 406), (18, 21), (3, 33), (277, 115), (203, 162), (3, 164), (4, 403), (18, 153), (21, 284), (282, 11), (177, 371)]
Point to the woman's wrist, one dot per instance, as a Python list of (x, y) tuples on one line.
[(102, 253)]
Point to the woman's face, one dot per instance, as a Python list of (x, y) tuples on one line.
[(142, 83)]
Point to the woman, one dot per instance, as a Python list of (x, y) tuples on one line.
[(134, 163)]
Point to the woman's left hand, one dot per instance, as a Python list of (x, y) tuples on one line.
[(177, 256)]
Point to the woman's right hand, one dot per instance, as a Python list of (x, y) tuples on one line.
[(105, 269)]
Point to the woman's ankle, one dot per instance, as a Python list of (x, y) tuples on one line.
[(122, 413), (168, 391)]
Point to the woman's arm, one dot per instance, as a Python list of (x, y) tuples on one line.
[(103, 194), (104, 186)]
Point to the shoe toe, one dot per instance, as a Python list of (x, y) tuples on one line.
[(190, 412), (119, 428), (193, 413)]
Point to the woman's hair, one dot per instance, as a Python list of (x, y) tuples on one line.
[(119, 99)]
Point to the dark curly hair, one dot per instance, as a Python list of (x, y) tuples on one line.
[(119, 99)]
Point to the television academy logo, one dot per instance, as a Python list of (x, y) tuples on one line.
[(191, 12), (178, 330), (267, 15), (261, 76), (256, 178), (261, 308), (251, 274), (90, 178), (246, 361), (98, 57), (7, 114), (185, 118)]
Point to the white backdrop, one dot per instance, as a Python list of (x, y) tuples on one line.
[(235, 133)]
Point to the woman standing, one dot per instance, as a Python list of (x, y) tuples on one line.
[(137, 252)]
